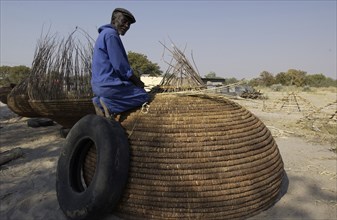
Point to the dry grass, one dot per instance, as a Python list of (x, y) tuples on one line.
[(314, 122)]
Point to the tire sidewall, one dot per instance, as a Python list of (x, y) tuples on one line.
[(110, 177)]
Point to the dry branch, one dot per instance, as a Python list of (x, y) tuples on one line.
[(9, 155), (181, 75)]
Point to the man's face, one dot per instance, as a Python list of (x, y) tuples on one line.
[(122, 24)]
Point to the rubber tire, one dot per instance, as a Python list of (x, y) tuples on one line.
[(64, 132), (110, 178)]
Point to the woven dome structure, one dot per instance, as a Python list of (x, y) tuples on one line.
[(4, 91), (197, 156), (59, 86), (18, 100)]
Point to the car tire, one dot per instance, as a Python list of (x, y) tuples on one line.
[(64, 132), (77, 198)]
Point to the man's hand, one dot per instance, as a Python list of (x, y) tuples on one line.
[(135, 80)]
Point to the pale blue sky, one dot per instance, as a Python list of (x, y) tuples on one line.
[(232, 38)]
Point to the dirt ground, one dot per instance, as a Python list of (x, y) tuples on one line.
[(306, 143)]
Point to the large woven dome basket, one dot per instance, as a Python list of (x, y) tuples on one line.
[(4, 91), (65, 112), (197, 156), (18, 100)]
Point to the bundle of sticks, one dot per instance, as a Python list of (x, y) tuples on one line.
[(180, 75), (61, 68)]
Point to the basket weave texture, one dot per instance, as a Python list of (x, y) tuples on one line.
[(18, 100), (4, 91), (199, 157), (65, 112)]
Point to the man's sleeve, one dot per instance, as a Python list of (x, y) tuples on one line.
[(118, 57)]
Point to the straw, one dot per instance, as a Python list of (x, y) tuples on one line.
[(198, 156)]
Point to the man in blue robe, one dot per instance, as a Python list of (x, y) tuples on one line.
[(113, 82)]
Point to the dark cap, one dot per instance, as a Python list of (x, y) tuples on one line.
[(126, 13)]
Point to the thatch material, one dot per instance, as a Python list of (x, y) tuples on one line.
[(59, 86), (4, 91), (198, 156), (17, 100), (65, 112), (62, 69), (181, 75)]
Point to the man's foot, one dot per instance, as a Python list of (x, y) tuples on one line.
[(98, 110), (106, 110)]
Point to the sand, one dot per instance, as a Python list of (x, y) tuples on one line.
[(309, 191)]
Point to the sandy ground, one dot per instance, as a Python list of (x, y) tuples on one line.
[(309, 190)]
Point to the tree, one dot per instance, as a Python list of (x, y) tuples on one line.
[(210, 75), (254, 82), (330, 82), (319, 80), (141, 65), (316, 80), (19, 73), (4, 75), (291, 78), (266, 78), (231, 80), (297, 77), (13, 74), (282, 78)]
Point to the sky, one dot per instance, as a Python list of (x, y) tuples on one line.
[(237, 39)]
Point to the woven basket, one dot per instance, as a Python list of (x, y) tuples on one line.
[(65, 112), (4, 91), (17, 100), (197, 157)]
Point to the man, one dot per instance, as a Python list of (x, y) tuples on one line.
[(113, 82)]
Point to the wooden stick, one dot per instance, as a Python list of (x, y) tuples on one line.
[(9, 155)]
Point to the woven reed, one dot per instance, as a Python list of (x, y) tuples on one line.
[(4, 91), (169, 88), (180, 75), (65, 112), (18, 100), (198, 157), (61, 69)]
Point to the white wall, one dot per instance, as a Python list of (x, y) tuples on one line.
[(150, 81)]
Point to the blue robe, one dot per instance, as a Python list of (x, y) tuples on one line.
[(111, 72)]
